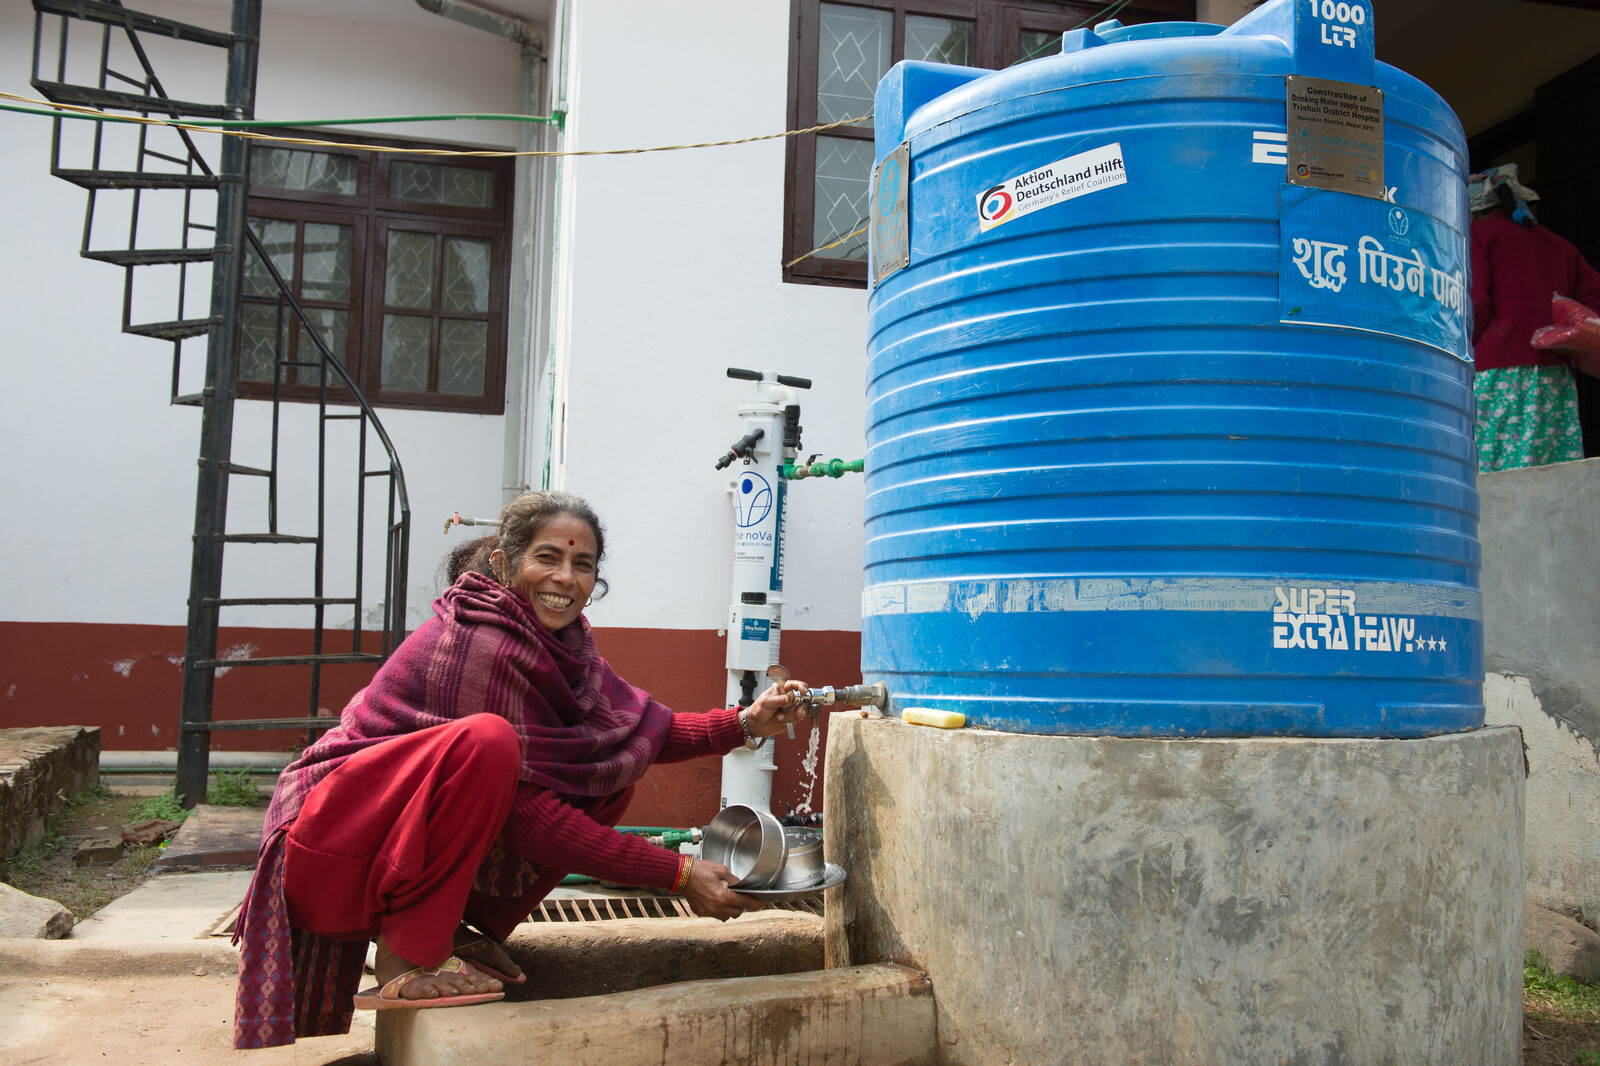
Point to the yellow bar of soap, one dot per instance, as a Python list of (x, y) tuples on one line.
[(937, 719)]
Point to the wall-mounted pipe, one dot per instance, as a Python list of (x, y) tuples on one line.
[(481, 18)]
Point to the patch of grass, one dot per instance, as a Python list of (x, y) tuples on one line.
[(97, 791), (1587, 1058), (1560, 996), (234, 788), (23, 868), (167, 806)]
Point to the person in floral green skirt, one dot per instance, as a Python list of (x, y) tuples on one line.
[(1526, 398)]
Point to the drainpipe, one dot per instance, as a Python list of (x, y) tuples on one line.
[(549, 413), (531, 223)]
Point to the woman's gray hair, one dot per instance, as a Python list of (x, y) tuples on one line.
[(520, 522)]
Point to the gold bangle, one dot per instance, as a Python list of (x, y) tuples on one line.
[(683, 874)]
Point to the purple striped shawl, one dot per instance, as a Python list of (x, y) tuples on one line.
[(584, 732)]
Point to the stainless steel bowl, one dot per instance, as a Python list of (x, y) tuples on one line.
[(749, 842), (803, 867)]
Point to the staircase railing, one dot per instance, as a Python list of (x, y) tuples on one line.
[(184, 168)]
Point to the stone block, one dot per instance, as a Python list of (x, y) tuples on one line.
[(1563, 945), (564, 960), (1105, 901), (30, 917), (863, 1016), (39, 767), (100, 852)]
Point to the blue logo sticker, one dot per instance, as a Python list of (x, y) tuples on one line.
[(753, 501), (755, 629)]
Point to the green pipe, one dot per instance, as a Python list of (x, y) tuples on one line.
[(834, 468), (557, 119)]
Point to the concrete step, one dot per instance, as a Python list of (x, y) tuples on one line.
[(878, 1015), (566, 960), (39, 766)]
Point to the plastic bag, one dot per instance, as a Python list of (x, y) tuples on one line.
[(1575, 334)]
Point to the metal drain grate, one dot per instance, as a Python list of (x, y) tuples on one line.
[(612, 908)]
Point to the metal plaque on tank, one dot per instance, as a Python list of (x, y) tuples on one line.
[(890, 246), (1336, 135)]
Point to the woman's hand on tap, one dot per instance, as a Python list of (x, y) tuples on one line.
[(776, 709)]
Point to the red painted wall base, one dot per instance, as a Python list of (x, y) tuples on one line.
[(126, 680)]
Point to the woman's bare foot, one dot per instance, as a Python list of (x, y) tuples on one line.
[(482, 952), (465, 983)]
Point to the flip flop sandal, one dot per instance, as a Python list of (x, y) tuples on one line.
[(388, 997), (483, 967)]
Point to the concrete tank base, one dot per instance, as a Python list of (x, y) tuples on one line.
[(1096, 900)]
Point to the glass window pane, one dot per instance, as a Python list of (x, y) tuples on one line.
[(406, 339), (852, 56), (844, 173), (277, 237), (1036, 44), (408, 277), (462, 347), (256, 350), (333, 326), (297, 171), (325, 262), (432, 183), (466, 275), (937, 40)]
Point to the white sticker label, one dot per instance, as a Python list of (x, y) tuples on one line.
[(1315, 619), (1086, 172)]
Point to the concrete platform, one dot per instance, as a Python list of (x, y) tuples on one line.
[(864, 1016), (142, 983), (1105, 901), (38, 766)]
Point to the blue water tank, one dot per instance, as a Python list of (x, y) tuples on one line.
[(1169, 393)]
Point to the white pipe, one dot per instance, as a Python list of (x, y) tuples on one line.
[(481, 18), (220, 760), (549, 408)]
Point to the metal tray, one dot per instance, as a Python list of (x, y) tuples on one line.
[(832, 875)]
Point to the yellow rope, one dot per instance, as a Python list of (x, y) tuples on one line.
[(825, 247), (458, 153)]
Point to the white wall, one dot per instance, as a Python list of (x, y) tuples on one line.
[(675, 275), (99, 472), (1562, 836)]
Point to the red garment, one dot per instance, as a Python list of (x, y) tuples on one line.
[(388, 844), (1515, 271), (582, 738)]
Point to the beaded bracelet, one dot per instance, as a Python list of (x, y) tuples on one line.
[(683, 874)]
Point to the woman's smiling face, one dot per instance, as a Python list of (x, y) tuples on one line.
[(557, 571)]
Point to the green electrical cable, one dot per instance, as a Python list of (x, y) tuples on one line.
[(558, 119)]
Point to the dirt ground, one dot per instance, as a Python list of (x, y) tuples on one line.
[(49, 869), (1549, 1040)]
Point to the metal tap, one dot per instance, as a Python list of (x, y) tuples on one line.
[(813, 699)]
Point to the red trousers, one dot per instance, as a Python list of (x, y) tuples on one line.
[(389, 843)]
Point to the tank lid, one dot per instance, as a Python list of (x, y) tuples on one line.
[(1113, 31)]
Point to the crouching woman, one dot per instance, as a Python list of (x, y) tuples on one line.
[(489, 757)]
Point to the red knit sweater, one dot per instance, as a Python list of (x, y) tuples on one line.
[(549, 832), (1515, 271)]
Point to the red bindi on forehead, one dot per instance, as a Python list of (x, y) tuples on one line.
[(570, 543)]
